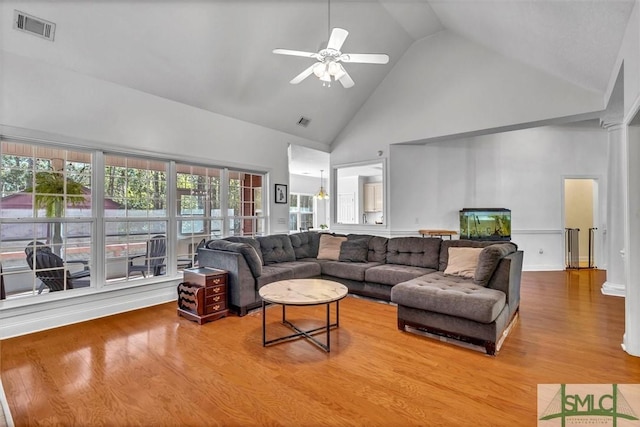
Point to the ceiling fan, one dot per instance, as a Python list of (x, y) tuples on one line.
[(329, 67)]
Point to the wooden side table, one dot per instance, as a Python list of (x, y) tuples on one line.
[(202, 297), (438, 233)]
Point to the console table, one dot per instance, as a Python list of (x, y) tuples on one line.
[(202, 297), (438, 233)]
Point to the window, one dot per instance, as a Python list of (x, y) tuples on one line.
[(301, 212), (199, 209), (46, 208), (245, 209), (127, 228), (135, 216)]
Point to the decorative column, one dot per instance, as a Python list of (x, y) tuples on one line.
[(631, 154), (614, 238)]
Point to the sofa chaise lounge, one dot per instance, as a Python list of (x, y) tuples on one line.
[(468, 290)]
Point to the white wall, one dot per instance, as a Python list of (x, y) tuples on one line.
[(67, 105), (447, 85), (519, 170), (444, 86), (629, 59)]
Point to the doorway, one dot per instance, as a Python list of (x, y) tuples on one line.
[(580, 219), (307, 171)]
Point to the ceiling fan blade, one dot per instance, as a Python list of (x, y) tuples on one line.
[(346, 80), (295, 53), (303, 75), (365, 58), (338, 36)]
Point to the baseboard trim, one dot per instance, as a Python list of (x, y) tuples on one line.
[(26, 319), (549, 267), (613, 289)]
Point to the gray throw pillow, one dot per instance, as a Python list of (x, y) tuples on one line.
[(355, 250)]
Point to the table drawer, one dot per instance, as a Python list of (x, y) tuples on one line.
[(215, 299), (213, 308), (214, 290), (216, 280)]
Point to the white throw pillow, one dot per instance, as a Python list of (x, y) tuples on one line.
[(463, 262), (330, 247)]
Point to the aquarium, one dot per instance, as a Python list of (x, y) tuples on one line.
[(485, 224)]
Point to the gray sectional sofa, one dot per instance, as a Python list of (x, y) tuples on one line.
[(409, 271)]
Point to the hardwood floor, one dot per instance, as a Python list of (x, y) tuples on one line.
[(150, 367)]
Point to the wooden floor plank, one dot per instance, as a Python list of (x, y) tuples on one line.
[(151, 367)]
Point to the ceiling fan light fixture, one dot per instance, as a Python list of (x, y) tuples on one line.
[(328, 67), (319, 69), (340, 72), (333, 68)]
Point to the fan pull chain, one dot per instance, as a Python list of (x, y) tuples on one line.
[(328, 19)]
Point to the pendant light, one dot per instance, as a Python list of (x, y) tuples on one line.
[(321, 194)]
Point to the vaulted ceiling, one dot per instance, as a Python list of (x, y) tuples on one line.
[(217, 55)]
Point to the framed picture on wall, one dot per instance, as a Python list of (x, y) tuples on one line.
[(281, 193)]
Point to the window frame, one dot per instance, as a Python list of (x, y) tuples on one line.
[(100, 220), (294, 209)]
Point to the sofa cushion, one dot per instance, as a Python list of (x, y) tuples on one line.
[(346, 270), (305, 244), (271, 273), (489, 259), (329, 247), (463, 262), (249, 241), (356, 250), (413, 251), (301, 269), (276, 248), (391, 274), (451, 295), (378, 249), (248, 252)]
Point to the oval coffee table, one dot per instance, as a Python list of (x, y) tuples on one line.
[(302, 292)]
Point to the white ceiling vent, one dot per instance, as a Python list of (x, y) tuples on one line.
[(304, 122), (32, 25)]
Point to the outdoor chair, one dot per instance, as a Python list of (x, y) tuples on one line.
[(152, 262), (28, 250), (41, 247), (51, 271)]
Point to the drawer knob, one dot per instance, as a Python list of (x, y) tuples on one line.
[(216, 289), (216, 298), (216, 281), (216, 307)]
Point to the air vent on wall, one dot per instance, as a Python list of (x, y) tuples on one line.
[(304, 122), (32, 25)]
